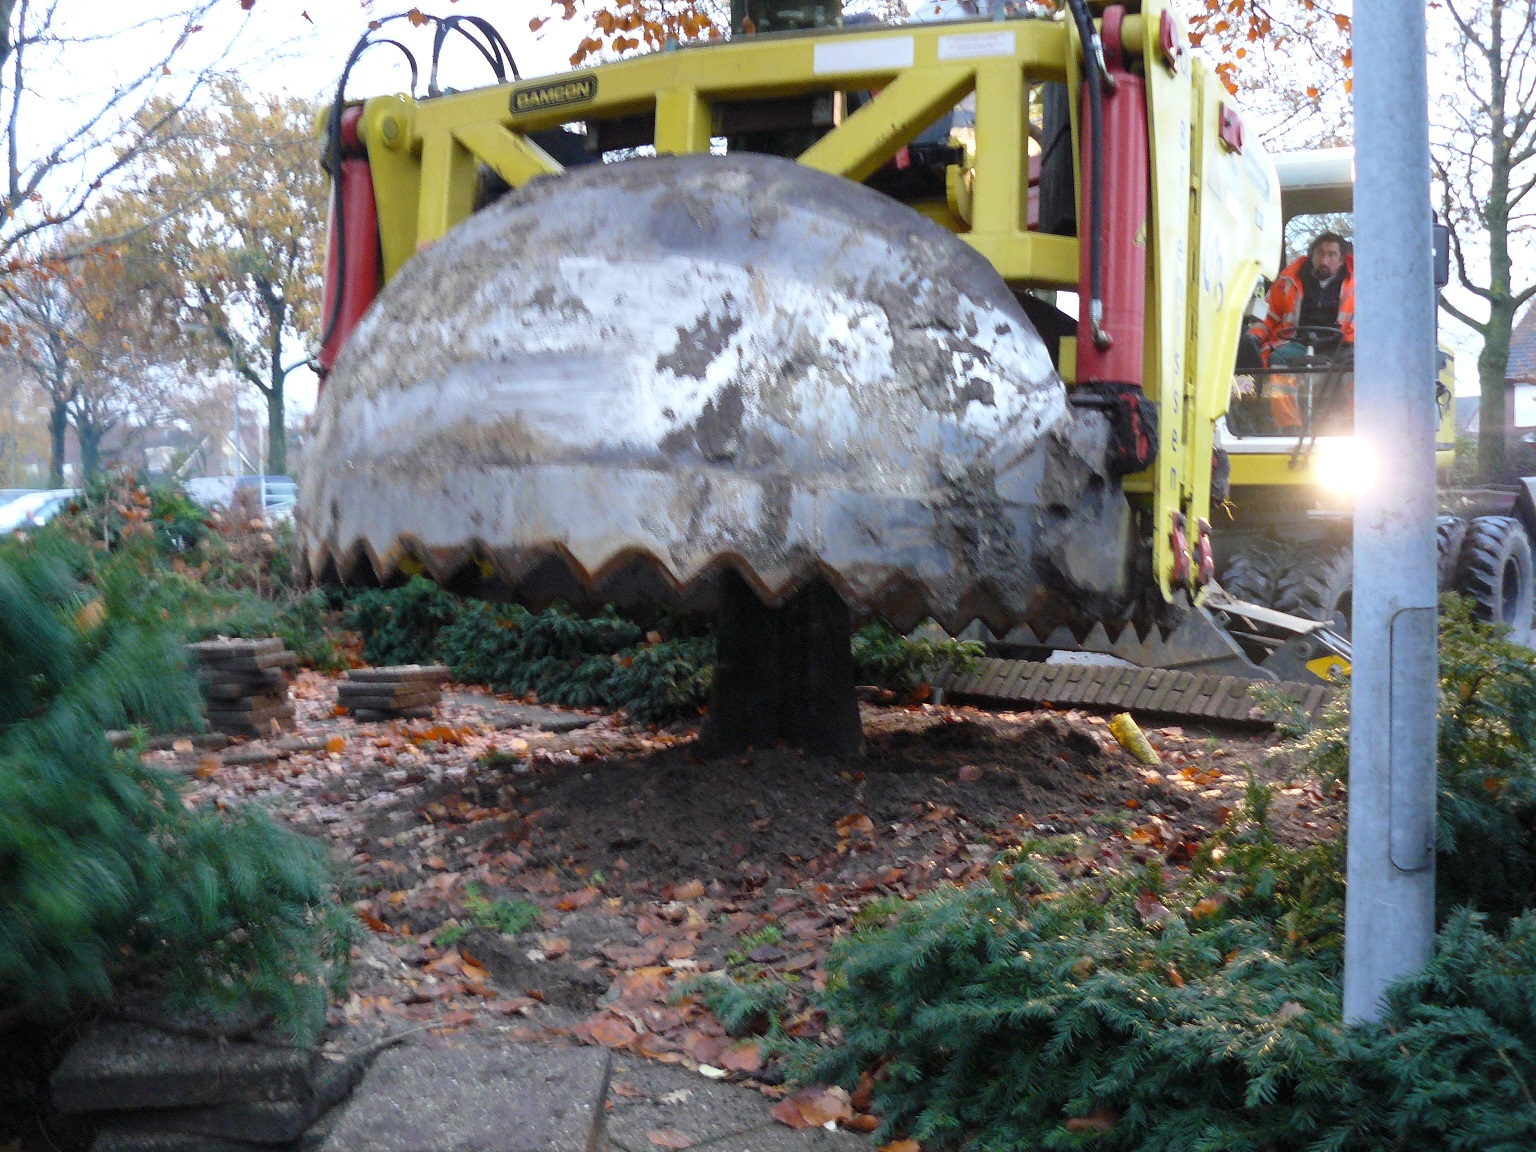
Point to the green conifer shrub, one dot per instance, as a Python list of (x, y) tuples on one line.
[(599, 661), (401, 625), (1024, 1014), (1485, 805), (603, 661), (884, 657), (1121, 1013), (106, 877), (1451, 1067)]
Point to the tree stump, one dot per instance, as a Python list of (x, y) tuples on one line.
[(783, 674)]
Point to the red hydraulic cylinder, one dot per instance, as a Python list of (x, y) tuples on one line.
[(354, 264), (1126, 193)]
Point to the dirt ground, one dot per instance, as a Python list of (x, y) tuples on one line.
[(562, 884), (640, 865)]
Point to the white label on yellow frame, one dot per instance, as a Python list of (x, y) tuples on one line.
[(885, 54), (973, 45)]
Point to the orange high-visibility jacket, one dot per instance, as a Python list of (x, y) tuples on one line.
[(1285, 306)]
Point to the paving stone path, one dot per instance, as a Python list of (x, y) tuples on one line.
[(478, 1096)]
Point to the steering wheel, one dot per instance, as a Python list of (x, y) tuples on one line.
[(1326, 342), (1314, 334)]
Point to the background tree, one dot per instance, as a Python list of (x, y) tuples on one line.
[(234, 208), (73, 98), (126, 352), (1484, 152), (42, 318)]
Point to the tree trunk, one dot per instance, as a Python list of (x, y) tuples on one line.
[(58, 424), (90, 435), (1493, 361), (782, 675), (277, 435), (6, 7), (1493, 405)]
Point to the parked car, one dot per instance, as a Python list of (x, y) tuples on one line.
[(34, 509)]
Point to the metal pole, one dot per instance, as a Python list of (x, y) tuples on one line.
[(1389, 909)]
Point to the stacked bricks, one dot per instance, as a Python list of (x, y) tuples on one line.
[(406, 691), (245, 684)]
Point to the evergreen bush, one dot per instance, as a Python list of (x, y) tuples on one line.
[(106, 877), (1486, 753), (604, 661), (401, 625), (885, 658), (1451, 1066), (1114, 1013), (1120, 1012), (601, 661)]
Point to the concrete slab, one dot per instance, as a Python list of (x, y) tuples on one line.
[(112, 1140), (782, 1139), (505, 714), (649, 1097), (130, 1066), (267, 1122), (513, 1098)]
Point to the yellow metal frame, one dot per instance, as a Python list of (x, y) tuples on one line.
[(425, 154), (1214, 213)]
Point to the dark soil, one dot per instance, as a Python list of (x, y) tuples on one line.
[(668, 816)]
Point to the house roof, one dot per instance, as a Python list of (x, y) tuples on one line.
[(1522, 350)]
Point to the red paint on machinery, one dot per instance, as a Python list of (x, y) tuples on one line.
[(351, 289), (1127, 221)]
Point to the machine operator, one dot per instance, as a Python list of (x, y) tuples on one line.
[(1316, 291)]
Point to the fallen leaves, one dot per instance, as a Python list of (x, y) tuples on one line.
[(858, 824), (373, 922), (1205, 907), (669, 1138), (814, 1107), (742, 1058), (607, 1030)]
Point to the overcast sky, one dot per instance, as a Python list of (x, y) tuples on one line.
[(299, 47)]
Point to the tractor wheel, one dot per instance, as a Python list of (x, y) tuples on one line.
[(1495, 570), (1255, 570), (1450, 532), (1320, 585)]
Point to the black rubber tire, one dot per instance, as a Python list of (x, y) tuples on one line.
[(1450, 533), (1320, 585), (1495, 570), (1254, 571)]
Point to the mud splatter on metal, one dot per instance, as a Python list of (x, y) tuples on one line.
[(609, 384)]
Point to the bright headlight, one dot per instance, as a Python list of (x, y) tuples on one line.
[(1344, 464)]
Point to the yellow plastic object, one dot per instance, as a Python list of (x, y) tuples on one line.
[(1133, 740), (1334, 669)]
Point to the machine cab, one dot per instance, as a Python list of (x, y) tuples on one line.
[(1291, 407)]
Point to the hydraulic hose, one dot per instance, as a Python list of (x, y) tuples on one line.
[(496, 53), (1095, 77)]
